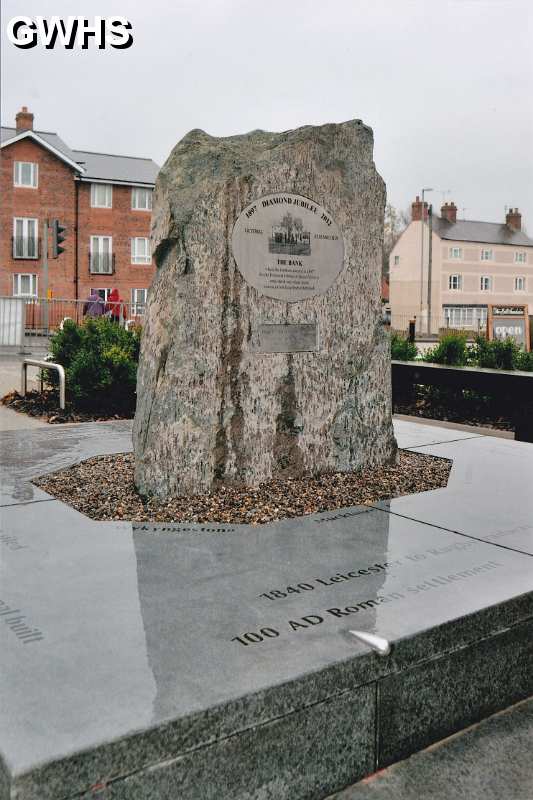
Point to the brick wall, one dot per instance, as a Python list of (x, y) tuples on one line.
[(55, 197), (122, 223)]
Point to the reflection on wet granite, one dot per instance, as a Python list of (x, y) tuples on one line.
[(26, 454), (160, 644), (418, 434), (488, 494), (207, 660)]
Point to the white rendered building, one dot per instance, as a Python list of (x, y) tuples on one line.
[(467, 266)]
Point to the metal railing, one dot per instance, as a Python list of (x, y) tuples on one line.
[(439, 325), (26, 323), (32, 362), (513, 390)]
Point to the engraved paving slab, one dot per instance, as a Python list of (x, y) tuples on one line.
[(205, 661)]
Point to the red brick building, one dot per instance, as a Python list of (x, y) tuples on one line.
[(103, 200)]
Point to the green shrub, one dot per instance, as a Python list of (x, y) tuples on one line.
[(524, 361), (496, 354), (401, 348), (100, 360), (451, 349)]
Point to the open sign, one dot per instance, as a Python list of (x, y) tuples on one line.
[(509, 322)]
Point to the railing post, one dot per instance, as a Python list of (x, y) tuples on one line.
[(24, 379)]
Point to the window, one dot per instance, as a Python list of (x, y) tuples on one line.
[(396, 260), (465, 316), (140, 250), (485, 283), (101, 195), (26, 174), (25, 240), (520, 284), (103, 293), (455, 282), (456, 252), (520, 258), (138, 301), (24, 285), (141, 199), (101, 255), (486, 255)]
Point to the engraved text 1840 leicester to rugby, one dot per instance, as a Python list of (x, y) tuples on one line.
[(288, 247)]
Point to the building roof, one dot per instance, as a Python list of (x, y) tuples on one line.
[(50, 140), (484, 232), (92, 166), (117, 169)]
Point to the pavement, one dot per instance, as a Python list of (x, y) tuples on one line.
[(490, 761)]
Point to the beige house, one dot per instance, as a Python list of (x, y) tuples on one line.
[(459, 267)]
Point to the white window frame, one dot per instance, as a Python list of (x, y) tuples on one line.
[(459, 282), (522, 279), (520, 257), (137, 305), (456, 252), (105, 295), (25, 238), (17, 175), (97, 248), (486, 254), (140, 258), (474, 317), (108, 199), (135, 192), (34, 284), (485, 279)]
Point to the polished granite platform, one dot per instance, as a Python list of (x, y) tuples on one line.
[(215, 661)]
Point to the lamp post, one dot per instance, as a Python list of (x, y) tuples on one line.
[(422, 249)]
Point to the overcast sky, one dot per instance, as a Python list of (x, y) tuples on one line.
[(446, 85)]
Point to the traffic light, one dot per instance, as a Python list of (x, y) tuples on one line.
[(58, 236)]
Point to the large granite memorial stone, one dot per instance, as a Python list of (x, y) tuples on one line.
[(263, 351)]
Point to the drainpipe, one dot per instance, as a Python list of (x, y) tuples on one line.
[(76, 218), (430, 259)]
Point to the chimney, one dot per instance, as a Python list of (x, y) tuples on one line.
[(416, 210), (24, 120), (449, 212), (513, 219)]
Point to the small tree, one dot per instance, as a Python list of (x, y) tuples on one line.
[(395, 223)]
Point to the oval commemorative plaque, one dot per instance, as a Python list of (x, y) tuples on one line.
[(288, 247)]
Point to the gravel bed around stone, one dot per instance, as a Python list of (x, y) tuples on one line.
[(103, 489), (45, 405)]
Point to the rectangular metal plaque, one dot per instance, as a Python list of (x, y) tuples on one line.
[(293, 338)]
